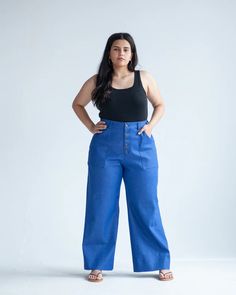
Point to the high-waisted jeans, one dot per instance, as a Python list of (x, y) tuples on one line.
[(117, 153)]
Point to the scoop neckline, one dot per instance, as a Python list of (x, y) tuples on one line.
[(128, 87)]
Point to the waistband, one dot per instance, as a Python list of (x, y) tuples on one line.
[(121, 124)]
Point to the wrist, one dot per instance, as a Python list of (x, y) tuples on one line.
[(151, 124), (91, 127)]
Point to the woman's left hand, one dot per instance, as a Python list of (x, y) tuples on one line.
[(146, 128)]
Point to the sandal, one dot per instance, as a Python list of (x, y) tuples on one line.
[(165, 276), (98, 277)]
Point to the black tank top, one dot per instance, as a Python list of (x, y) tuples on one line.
[(127, 104)]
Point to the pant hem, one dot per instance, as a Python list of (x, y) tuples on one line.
[(153, 269), (98, 267)]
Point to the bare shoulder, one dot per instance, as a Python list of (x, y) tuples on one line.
[(85, 93), (151, 88), (91, 82), (147, 80), (146, 76)]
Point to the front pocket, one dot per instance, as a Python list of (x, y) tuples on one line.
[(98, 149), (148, 152), (97, 155), (147, 134)]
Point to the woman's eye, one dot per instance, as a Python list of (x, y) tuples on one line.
[(124, 49)]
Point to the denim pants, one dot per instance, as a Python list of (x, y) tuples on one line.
[(117, 153)]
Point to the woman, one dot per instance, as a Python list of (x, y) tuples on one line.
[(122, 147)]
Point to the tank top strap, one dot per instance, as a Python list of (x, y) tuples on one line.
[(137, 78)]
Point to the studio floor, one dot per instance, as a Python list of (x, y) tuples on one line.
[(190, 278)]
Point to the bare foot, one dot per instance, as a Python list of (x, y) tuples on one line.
[(95, 275), (165, 275)]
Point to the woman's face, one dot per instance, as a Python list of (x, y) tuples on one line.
[(120, 52)]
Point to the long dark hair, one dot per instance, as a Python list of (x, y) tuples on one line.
[(101, 92)]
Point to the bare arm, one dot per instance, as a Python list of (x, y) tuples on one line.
[(81, 100), (154, 96)]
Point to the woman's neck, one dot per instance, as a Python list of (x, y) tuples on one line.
[(121, 73)]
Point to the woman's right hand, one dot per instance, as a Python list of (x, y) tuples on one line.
[(99, 125)]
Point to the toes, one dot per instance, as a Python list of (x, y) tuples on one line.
[(95, 275), (165, 275)]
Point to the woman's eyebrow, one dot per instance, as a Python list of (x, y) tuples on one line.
[(120, 47)]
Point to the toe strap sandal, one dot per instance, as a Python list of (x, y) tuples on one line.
[(95, 277), (165, 276)]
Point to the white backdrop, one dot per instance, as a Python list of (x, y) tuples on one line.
[(48, 50)]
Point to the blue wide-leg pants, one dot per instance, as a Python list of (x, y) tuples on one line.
[(117, 153)]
